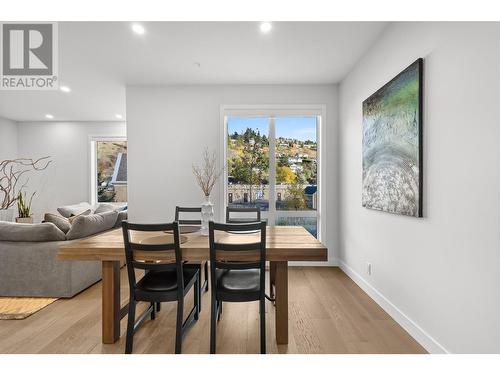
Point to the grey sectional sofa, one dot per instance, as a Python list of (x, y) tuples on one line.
[(31, 269), (28, 257)]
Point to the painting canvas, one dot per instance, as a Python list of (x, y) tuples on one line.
[(392, 145)]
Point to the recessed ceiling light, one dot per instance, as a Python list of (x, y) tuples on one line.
[(49, 116), (138, 29), (118, 116), (65, 89), (265, 27)]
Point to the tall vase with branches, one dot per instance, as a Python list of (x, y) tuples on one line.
[(206, 176), (13, 179)]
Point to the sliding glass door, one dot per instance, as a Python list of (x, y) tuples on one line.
[(272, 163), (297, 172)]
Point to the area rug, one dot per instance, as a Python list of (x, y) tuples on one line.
[(15, 308)]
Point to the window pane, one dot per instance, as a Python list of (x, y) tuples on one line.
[(296, 163), (309, 223), (111, 171), (248, 162)]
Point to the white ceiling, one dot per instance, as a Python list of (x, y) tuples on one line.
[(98, 59)]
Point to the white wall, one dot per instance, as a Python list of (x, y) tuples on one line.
[(440, 275), (8, 139), (67, 180), (169, 126)]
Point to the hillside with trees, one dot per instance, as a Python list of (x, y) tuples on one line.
[(296, 166)]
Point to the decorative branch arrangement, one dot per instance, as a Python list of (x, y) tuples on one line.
[(11, 172), (207, 174)]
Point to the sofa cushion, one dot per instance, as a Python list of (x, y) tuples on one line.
[(18, 232), (84, 213), (85, 226), (122, 215), (106, 207), (59, 221), (74, 209)]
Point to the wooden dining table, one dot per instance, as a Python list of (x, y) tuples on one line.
[(283, 244)]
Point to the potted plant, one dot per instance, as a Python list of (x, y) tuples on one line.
[(206, 176), (24, 209), (11, 177)]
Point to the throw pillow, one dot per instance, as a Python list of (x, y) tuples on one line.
[(59, 221), (87, 225), (74, 209), (106, 207), (84, 213)]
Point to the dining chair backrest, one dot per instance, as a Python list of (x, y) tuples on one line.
[(179, 209), (142, 256), (239, 210), (227, 253)]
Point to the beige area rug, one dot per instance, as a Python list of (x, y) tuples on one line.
[(14, 308)]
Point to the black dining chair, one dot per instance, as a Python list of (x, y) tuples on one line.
[(244, 210), (178, 210), (251, 219), (237, 280), (163, 281)]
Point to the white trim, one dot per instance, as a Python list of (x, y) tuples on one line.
[(320, 172), (274, 110), (417, 332), (330, 263), (221, 212)]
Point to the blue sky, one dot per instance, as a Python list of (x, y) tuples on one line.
[(301, 128)]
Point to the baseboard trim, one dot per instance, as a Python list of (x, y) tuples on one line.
[(422, 337), (330, 263)]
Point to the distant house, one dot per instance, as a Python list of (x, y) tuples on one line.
[(294, 160), (296, 168), (120, 171), (311, 193)]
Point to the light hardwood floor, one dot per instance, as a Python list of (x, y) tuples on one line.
[(329, 313)]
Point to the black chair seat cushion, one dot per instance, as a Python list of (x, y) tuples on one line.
[(238, 281), (164, 281)]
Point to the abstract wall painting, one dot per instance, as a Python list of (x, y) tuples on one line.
[(392, 145)]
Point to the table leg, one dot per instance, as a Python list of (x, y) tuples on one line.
[(281, 285), (272, 278), (110, 301)]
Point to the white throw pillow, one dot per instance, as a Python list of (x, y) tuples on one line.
[(75, 209), (106, 207)]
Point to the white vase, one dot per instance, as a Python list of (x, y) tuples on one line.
[(7, 215), (207, 214), (24, 220)]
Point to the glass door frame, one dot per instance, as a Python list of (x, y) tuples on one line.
[(272, 112)]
